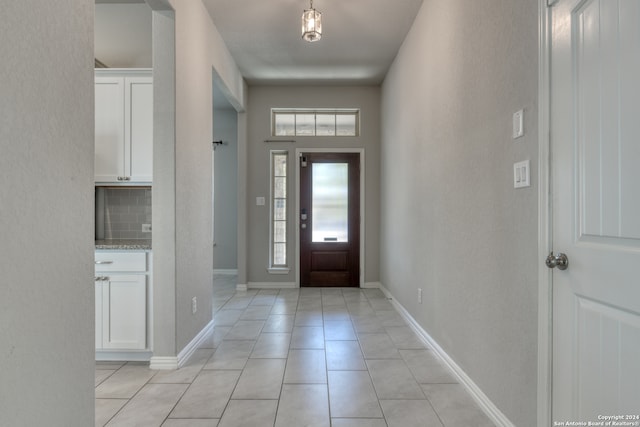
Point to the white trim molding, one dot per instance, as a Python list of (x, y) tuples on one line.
[(278, 270), (195, 343), (372, 285), (476, 393), (163, 363), (545, 237), (130, 355), (226, 271), (272, 285), (241, 288), (173, 363)]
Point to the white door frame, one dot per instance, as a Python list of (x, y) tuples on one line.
[(362, 205), (545, 229)]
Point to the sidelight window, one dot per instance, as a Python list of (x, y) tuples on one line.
[(278, 209)]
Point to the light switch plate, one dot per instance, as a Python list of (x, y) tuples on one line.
[(260, 201), (518, 124), (521, 174)]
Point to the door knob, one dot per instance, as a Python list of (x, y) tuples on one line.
[(559, 260)]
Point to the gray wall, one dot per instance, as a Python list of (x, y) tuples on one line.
[(46, 214), (164, 183), (199, 51), (123, 35), (225, 215), (261, 100), (452, 223)]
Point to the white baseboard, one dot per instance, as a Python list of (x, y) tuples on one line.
[(121, 356), (241, 288), (371, 285), (226, 271), (173, 363), (195, 343), (272, 285), (163, 363), (487, 406)]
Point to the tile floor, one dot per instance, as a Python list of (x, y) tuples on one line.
[(293, 358)]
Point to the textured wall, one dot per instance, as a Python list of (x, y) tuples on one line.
[(452, 223), (225, 128), (261, 100), (199, 51), (123, 35), (164, 183), (46, 214)]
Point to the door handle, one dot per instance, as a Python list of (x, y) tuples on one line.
[(559, 260)]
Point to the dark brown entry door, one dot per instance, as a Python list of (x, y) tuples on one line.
[(330, 219)]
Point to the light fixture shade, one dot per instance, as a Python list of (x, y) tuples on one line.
[(311, 24)]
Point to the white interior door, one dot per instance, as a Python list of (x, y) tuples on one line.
[(595, 152)]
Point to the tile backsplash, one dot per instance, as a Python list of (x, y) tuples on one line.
[(121, 212)]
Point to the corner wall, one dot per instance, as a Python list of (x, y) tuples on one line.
[(200, 52), (47, 352), (451, 221)]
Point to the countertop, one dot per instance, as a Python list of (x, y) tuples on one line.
[(124, 244)]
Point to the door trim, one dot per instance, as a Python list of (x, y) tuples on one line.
[(360, 151), (545, 229)]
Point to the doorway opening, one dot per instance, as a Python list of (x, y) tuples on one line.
[(225, 196)]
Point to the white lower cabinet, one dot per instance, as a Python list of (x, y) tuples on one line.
[(121, 301), (122, 280)]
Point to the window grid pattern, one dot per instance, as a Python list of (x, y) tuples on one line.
[(279, 208), (343, 122)]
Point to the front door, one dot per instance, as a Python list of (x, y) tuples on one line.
[(595, 152), (329, 219)]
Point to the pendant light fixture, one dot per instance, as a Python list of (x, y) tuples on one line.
[(311, 24)]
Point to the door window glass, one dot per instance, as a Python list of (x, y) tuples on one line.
[(330, 202)]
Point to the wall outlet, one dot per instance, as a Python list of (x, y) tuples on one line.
[(194, 305), (146, 228), (420, 295)]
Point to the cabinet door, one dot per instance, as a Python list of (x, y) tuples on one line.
[(109, 129), (139, 127), (124, 312)]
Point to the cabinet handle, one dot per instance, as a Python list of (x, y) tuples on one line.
[(127, 178), (102, 278), (104, 262)]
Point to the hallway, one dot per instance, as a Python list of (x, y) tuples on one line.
[(290, 358)]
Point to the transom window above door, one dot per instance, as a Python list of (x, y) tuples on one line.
[(315, 122)]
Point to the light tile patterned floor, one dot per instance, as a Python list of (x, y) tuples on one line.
[(293, 358)]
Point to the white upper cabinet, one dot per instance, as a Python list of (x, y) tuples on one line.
[(123, 126)]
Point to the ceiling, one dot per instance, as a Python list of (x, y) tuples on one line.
[(360, 39)]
